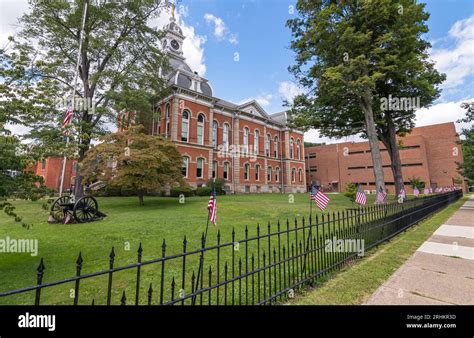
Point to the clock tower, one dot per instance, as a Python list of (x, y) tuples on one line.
[(172, 42)]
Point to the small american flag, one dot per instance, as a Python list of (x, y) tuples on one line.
[(381, 196), (426, 191), (360, 196), (212, 207), (319, 198), (416, 192), (403, 193)]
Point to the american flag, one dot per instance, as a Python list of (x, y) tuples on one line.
[(360, 196), (431, 190), (426, 191), (67, 118), (212, 206), (416, 192), (403, 193), (319, 198), (381, 196)]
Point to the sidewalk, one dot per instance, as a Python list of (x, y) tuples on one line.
[(442, 269)]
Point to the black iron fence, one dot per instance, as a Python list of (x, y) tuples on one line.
[(265, 267)]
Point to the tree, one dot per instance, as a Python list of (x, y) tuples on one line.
[(120, 62), (466, 169), (353, 55), (134, 160)]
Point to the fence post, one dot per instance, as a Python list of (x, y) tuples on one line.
[(39, 278), (78, 273), (111, 266)]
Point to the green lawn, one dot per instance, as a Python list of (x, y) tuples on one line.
[(126, 226), (356, 282)]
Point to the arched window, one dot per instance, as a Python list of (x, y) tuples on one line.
[(156, 123), (275, 147), (215, 126), (225, 136), (246, 171), (185, 126), (214, 169), (300, 175), (226, 171), (257, 172), (293, 175), (269, 174), (267, 145), (291, 147), (246, 140), (185, 167), (167, 121), (277, 174), (256, 140), (298, 151), (200, 167), (200, 129)]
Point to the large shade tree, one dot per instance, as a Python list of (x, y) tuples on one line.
[(119, 67), (353, 55), (134, 160)]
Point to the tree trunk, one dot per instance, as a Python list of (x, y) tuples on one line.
[(78, 188), (390, 142), (366, 105), (140, 198)]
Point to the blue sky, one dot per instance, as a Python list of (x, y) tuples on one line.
[(255, 29)]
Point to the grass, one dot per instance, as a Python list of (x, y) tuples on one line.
[(355, 283), (127, 225)]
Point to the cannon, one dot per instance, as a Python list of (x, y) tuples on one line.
[(85, 209)]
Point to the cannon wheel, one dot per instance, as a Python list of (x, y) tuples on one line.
[(85, 209), (58, 211)]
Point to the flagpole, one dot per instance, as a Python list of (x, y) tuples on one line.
[(74, 92), (199, 276)]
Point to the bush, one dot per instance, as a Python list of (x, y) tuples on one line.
[(178, 191), (219, 184), (351, 190), (203, 191)]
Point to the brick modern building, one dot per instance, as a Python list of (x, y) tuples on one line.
[(250, 149), (429, 153)]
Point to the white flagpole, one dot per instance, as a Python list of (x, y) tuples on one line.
[(74, 91)]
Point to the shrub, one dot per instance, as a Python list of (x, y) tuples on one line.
[(177, 191), (203, 191), (219, 184), (351, 190)]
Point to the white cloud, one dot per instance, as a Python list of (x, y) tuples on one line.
[(10, 12), (441, 113), (457, 62), (289, 90), (263, 99), (221, 31)]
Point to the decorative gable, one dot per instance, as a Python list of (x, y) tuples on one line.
[(252, 107)]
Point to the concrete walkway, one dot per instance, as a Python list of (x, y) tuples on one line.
[(442, 269)]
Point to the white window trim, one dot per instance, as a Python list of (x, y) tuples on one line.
[(187, 165), (257, 172), (248, 174), (201, 124), (182, 121), (202, 167)]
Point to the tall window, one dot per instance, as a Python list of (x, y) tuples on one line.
[(185, 126), (269, 174), (246, 171), (214, 169), (300, 175), (156, 123), (275, 147), (226, 171), (298, 151), (43, 164), (291, 147), (225, 136), (199, 167), (267, 145), (246, 140), (257, 172), (277, 174), (167, 120), (293, 175), (185, 167), (215, 126), (200, 129), (256, 140)]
